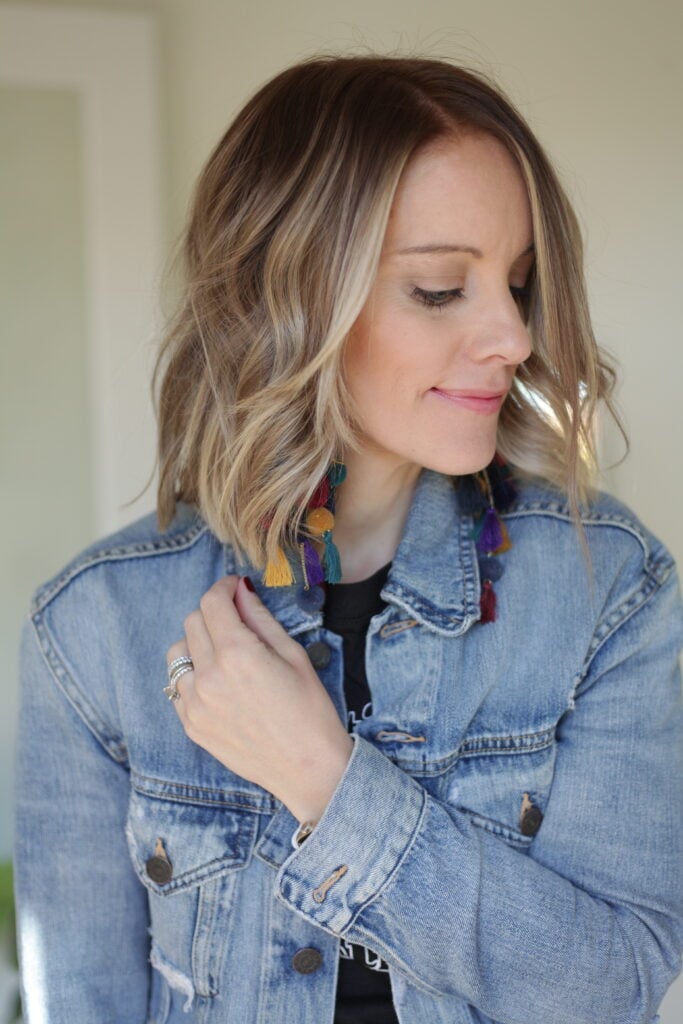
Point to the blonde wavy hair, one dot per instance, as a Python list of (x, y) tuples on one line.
[(279, 254)]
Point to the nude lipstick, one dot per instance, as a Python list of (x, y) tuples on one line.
[(483, 402)]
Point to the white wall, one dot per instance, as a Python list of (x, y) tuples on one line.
[(45, 479), (601, 83)]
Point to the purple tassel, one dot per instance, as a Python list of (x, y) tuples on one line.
[(314, 570), (491, 536)]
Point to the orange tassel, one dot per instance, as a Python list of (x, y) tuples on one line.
[(279, 572)]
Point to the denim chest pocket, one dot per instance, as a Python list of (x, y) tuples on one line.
[(502, 783), (189, 857)]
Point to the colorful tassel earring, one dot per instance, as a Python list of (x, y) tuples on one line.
[(319, 523), (278, 572), (494, 490)]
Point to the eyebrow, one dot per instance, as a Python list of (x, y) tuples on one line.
[(439, 249)]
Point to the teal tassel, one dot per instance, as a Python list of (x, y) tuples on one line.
[(477, 529), (336, 474), (331, 559)]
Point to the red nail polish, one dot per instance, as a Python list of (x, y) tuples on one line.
[(249, 585)]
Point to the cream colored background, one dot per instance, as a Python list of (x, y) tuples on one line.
[(601, 84)]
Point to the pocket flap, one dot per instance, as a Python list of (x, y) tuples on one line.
[(175, 845)]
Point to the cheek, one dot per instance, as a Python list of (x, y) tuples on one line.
[(385, 374), (393, 348)]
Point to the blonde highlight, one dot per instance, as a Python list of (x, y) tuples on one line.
[(283, 241)]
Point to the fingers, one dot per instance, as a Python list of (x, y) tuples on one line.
[(229, 616), (256, 616), (233, 614), (221, 618), (177, 650), (198, 639)]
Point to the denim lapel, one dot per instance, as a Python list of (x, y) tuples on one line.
[(433, 577)]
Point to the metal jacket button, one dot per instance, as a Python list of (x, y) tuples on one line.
[(319, 654), (531, 821), (307, 960), (159, 867)]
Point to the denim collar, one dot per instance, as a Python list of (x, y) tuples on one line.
[(433, 578)]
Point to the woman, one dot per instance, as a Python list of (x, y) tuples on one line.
[(421, 754)]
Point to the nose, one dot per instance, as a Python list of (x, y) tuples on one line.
[(500, 332)]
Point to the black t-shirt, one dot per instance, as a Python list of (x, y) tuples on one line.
[(363, 987)]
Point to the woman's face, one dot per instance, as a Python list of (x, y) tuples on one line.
[(434, 350)]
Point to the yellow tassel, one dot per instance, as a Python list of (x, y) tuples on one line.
[(279, 572), (319, 521), (507, 543)]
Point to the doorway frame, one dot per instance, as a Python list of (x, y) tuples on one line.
[(110, 59)]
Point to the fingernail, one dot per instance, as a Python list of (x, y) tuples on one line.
[(248, 584)]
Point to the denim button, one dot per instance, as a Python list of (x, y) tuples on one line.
[(307, 960), (159, 869), (531, 821), (320, 654)]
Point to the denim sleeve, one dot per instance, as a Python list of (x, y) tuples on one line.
[(81, 912), (584, 925)]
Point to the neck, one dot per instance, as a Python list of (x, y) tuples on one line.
[(371, 507)]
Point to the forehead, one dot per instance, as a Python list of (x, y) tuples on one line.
[(468, 191)]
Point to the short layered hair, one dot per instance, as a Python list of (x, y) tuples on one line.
[(278, 257)]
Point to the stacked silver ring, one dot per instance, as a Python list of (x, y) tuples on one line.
[(177, 668)]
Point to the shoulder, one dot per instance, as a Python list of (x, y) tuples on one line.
[(139, 540), (610, 525), (615, 564), (102, 623)]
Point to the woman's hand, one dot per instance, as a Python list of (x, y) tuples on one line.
[(255, 702)]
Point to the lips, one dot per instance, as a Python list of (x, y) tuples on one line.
[(482, 401)]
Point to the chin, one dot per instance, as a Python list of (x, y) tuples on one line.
[(460, 463)]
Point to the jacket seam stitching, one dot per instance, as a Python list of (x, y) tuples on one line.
[(587, 519), (437, 766), (125, 552), (625, 611), (138, 781), (422, 985), (397, 866), (111, 743)]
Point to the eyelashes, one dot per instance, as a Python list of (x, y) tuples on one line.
[(438, 300)]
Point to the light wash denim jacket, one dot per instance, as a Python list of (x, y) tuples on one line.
[(507, 835)]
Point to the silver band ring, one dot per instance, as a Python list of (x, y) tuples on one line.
[(177, 668), (180, 671), (184, 659)]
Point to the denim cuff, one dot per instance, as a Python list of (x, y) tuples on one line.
[(362, 838)]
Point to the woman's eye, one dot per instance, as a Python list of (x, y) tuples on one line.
[(437, 300)]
